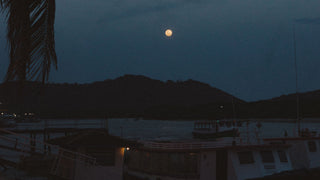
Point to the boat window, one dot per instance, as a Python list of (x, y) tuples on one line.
[(245, 157), (267, 156), (282, 156), (312, 146)]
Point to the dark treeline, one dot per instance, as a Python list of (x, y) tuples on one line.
[(139, 96)]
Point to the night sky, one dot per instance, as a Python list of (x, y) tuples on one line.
[(242, 47)]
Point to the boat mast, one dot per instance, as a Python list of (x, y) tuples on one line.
[(296, 72), (234, 110), (234, 116)]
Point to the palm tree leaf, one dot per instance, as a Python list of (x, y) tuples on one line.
[(18, 38), (31, 38), (42, 31)]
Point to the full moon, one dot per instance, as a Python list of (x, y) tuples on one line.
[(168, 32)]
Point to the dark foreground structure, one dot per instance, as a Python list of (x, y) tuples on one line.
[(303, 174)]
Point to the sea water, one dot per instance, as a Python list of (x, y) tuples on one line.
[(133, 128)]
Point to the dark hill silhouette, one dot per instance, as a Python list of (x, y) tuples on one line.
[(285, 106), (129, 95), (140, 96)]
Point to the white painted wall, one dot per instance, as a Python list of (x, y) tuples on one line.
[(282, 166), (314, 157), (239, 171), (298, 153), (245, 171)]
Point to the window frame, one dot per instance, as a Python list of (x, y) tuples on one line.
[(264, 156), (284, 158), (242, 159)]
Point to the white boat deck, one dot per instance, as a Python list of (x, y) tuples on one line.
[(189, 145)]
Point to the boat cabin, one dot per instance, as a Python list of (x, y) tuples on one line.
[(214, 129), (304, 151), (206, 125), (204, 161)]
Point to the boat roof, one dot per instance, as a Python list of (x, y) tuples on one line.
[(197, 146)]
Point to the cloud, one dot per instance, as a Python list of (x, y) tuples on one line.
[(308, 21)]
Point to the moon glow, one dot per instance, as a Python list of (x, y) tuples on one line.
[(168, 33)]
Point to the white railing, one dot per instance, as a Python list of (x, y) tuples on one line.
[(227, 142), (250, 137)]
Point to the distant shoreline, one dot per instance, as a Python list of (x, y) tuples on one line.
[(275, 120), (138, 96)]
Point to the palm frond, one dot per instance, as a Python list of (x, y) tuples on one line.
[(18, 38), (43, 44), (31, 38)]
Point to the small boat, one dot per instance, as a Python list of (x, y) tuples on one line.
[(213, 129)]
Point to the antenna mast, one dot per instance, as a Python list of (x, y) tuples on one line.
[(296, 71)]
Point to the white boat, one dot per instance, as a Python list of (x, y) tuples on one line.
[(224, 159), (205, 160), (214, 129), (304, 148)]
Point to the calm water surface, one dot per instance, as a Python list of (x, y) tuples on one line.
[(165, 130), (152, 129)]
